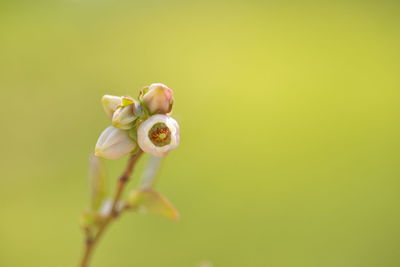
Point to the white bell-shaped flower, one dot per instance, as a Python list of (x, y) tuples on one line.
[(158, 135), (114, 143)]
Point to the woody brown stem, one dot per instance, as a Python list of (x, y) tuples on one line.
[(92, 241)]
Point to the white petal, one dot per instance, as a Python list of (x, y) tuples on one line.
[(110, 104)]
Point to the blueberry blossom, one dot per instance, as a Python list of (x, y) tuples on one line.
[(137, 126), (158, 135)]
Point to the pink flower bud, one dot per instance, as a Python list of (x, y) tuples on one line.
[(158, 98)]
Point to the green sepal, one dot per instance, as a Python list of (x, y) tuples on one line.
[(126, 101), (142, 111), (133, 132), (143, 92), (145, 111)]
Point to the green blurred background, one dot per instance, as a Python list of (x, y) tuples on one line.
[(289, 114)]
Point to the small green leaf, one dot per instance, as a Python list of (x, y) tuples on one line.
[(149, 201), (97, 182), (89, 219)]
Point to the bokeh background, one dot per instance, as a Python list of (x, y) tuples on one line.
[(289, 113)]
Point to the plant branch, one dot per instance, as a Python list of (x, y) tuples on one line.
[(92, 240)]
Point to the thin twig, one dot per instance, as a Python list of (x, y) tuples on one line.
[(92, 241)]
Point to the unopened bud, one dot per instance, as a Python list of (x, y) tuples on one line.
[(124, 116), (158, 135), (110, 104), (114, 143), (158, 98)]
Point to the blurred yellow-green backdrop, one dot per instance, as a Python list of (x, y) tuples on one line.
[(289, 114)]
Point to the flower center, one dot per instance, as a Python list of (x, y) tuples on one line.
[(160, 135)]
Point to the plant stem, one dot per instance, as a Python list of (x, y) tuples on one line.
[(91, 241)]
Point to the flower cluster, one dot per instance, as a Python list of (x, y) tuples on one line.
[(139, 124)]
